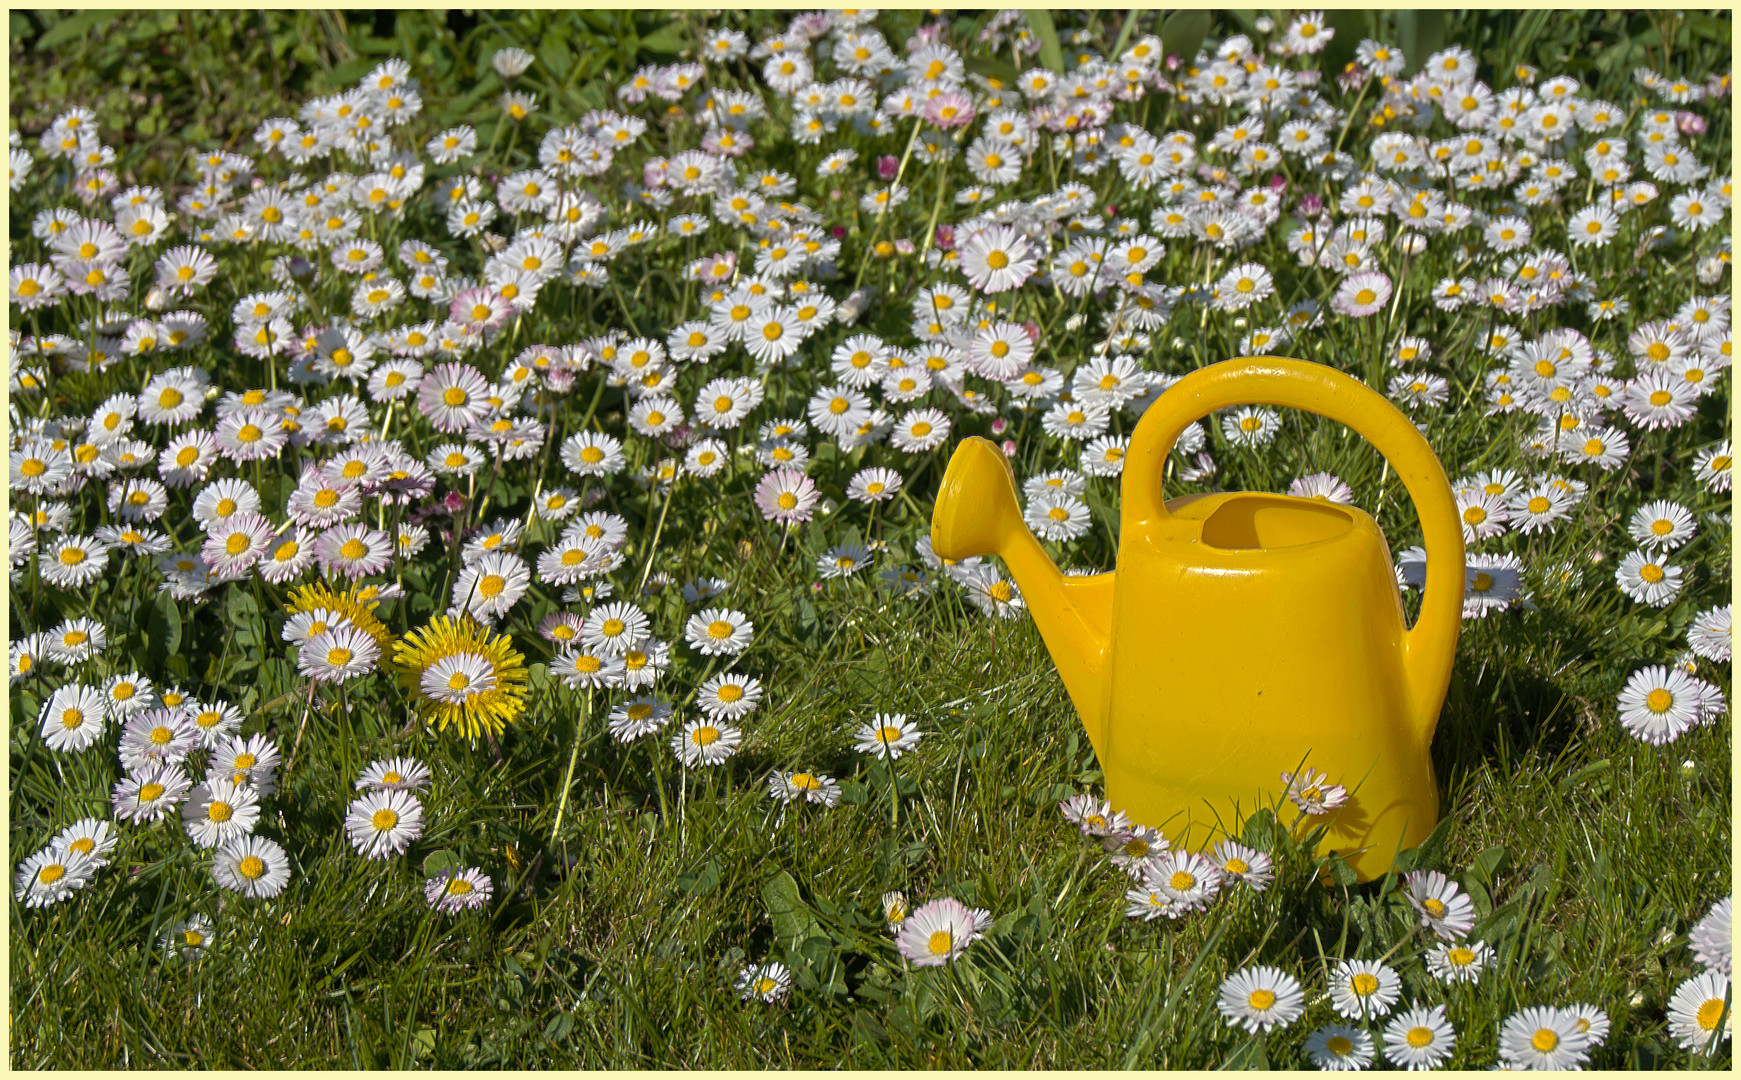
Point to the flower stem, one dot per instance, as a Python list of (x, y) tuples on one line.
[(573, 756)]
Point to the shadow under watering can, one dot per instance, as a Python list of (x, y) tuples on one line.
[(1243, 634)]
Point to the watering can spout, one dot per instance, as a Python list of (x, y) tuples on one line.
[(978, 512)]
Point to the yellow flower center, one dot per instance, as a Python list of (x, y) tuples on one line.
[(252, 867), (384, 819), (1710, 1013)]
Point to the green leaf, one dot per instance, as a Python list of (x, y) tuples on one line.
[(1051, 53), (670, 38), (1182, 34), (1588, 772), (556, 58), (76, 27), (702, 881), (172, 620), (439, 862), (1431, 851), (1488, 863), (1343, 873), (1259, 831), (793, 920)]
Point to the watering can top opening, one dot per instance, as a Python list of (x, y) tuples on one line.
[(1251, 522)]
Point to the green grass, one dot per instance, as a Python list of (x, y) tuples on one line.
[(614, 940), (1589, 856)]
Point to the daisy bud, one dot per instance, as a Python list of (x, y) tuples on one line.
[(1009, 448), (999, 426), (945, 238), (887, 166), (1690, 123)]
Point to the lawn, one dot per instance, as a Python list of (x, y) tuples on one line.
[(471, 489)]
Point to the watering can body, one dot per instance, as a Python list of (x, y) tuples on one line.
[(1243, 635)]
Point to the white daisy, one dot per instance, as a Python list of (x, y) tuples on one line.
[(719, 632), (1361, 989), (938, 932), (1419, 1038), (395, 774), (219, 811), (769, 981), (72, 719), (253, 866), (1658, 703), (1543, 1038), (50, 876), (1444, 909), (1261, 999), (383, 823), (706, 742), (887, 733), (1461, 962)]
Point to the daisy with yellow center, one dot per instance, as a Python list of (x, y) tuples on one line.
[(463, 676)]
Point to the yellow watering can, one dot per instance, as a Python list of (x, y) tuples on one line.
[(1243, 634)]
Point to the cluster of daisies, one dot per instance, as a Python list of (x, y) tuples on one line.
[(166, 740), (931, 935), (1174, 884), (1365, 995)]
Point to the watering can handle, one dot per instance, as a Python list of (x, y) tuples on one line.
[(1430, 647)]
